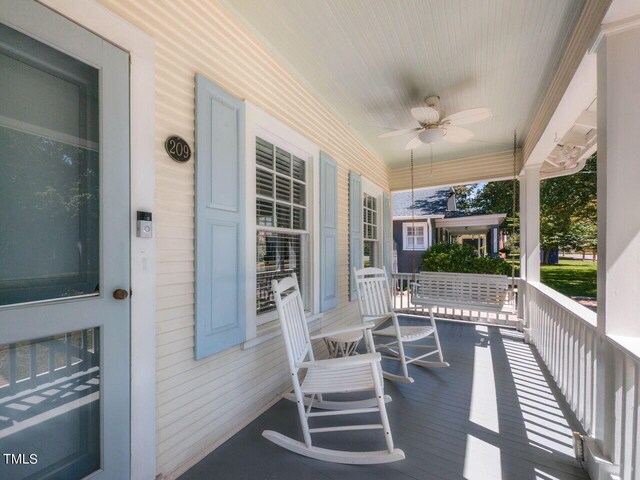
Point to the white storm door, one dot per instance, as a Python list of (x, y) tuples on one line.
[(64, 249)]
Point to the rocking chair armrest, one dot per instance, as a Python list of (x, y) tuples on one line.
[(365, 359), (377, 318), (355, 328)]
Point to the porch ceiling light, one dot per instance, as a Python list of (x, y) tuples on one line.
[(431, 135)]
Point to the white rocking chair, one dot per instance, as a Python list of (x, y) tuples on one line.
[(339, 375), (376, 305)]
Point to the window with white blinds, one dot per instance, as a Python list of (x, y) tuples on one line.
[(370, 230), (281, 219)]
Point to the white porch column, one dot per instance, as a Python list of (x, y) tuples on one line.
[(619, 181), (522, 290), (530, 223), (529, 239), (618, 214)]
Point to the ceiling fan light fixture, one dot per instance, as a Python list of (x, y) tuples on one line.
[(431, 135)]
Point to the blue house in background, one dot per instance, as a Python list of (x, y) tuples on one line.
[(432, 218)]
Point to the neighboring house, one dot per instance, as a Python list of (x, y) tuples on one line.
[(433, 217)]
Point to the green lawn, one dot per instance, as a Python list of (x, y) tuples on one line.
[(571, 277)]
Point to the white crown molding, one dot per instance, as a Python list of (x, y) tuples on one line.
[(487, 167), (614, 28)]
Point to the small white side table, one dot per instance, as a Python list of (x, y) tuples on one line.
[(343, 344)]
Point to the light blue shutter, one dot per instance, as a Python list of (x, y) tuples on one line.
[(355, 229), (386, 232), (328, 233), (220, 217)]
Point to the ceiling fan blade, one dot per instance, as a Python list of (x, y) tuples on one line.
[(395, 133), (457, 134), (465, 117), (425, 114), (414, 143)]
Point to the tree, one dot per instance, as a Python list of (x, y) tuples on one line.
[(568, 208), (465, 195), (493, 197)]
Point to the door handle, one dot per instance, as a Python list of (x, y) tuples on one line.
[(120, 294)]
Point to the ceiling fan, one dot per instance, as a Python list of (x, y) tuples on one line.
[(435, 126)]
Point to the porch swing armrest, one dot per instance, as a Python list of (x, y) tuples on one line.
[(365, 359), (355, 328)]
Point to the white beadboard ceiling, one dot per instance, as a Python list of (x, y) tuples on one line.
[(371, 61)]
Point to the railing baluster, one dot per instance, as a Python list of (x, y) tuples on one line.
[(627, 418), (85, 351), (635, 462), (13, 366), (588, 382), (51, 346), (67, 345), (581, 373), (33, 364)]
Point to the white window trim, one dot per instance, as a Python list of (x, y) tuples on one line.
[(427, 235), (374, 190), (260, 123)]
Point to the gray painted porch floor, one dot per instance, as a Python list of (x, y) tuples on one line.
[(494, 414)]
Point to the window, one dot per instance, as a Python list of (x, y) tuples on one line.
[(370, 231), (415, 236), (281, 219), (372, 227)]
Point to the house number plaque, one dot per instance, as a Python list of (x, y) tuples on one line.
[(177, 148)]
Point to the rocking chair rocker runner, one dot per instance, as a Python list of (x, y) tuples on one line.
[(375, 302), (339, 375)]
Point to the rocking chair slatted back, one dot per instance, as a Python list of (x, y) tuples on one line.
[(374, 295), (292, 320)]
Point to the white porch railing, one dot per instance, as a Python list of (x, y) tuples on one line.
[(605, 400), (402, 303), (566, 336)]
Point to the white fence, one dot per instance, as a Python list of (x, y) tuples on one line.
[(598, 376)]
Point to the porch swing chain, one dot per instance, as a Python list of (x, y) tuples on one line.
[(513, 203), (413, 225)]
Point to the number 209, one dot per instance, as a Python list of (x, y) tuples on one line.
[(178, 149)]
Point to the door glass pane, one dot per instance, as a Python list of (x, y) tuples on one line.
[(50, 406), (49, 172)]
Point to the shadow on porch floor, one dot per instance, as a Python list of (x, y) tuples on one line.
[(494, 414)]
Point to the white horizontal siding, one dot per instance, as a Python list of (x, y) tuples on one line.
[(200, 404)]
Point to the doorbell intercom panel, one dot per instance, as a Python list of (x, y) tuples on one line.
[(144, 226)]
